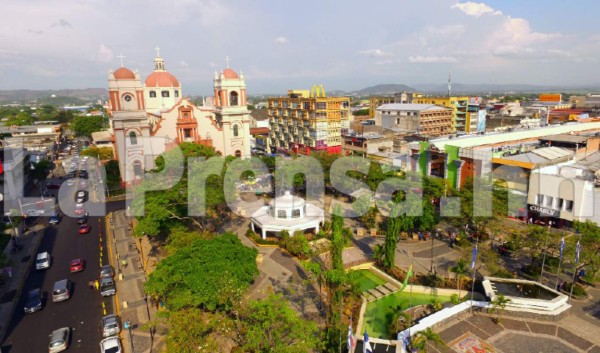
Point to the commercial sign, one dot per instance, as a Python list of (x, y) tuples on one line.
[(543, 211), (474, 100), (550, 98), (481, 120)]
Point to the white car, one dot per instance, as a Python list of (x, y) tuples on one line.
[(59, 340), (111, 345), (42, 261)]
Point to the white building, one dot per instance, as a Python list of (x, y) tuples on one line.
[(287, 212)]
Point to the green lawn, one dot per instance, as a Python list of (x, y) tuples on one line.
[(379, 312), (368, 280)]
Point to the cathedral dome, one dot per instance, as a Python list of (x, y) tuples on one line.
[(124, 73), (161, 79), (229, 73)]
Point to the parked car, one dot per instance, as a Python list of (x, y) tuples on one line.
[(110, 325), (82, 219), (42, 261), (59, 340), (77, 265), (111, 345), (107, 287), (81, 196), (107, 271), (84, 228), (61, 290), (33, 301)]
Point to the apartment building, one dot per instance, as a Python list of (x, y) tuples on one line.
[(426, 119), (308, 121), (459, 107)]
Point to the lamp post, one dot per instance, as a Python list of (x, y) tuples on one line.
[(431, 235), (128, 327)]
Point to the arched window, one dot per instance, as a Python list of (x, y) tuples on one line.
[(152, 94), (176, 94), (164, 94), (238, 153), (233, 98), (133, 138), (236, 130)]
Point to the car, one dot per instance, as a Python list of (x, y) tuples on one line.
[(107, 271), (70, 182), (33, 301), (82, 219), (81, 196), (111, 345), (107, 287), (42, 261), (77, 265), (54, 220), (84, 229), (110, 325), (59, 340), (79, 209)]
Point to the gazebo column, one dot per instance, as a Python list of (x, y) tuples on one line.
[(264, 233), (252, 226), (317, 229)]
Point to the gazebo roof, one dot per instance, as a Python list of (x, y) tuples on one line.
[(287, 200)]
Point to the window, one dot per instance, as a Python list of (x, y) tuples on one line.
[(152, 94), (133, 138), (549, 200), (559, 204), (306, 105), (187, 133), (164, 94), (238, 153), (176, 94), (281, 214), (233, 98), (137, 169), (296, 213), (568, 206), (236, 130), (539, 199)]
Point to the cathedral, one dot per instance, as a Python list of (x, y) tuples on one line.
[(148, 118)]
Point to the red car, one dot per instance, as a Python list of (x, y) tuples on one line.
[(77, 265), (84, 229)]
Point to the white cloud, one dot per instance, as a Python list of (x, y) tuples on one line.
[(281, 40), (61, 23), (376, 53), (476, 9), (105, 54), (212, 64), (183, 64), (431, 59)]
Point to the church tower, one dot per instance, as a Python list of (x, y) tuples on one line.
[(162, 90), (231, 112), (128, 122)]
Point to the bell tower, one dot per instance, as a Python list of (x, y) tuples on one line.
[(231, 112)]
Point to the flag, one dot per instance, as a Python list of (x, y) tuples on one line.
[(562, 247), (351, 343), (474, 257), (408, 275), (577, 249), (366, 345)]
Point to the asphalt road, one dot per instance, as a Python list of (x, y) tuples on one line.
[(83, 311)]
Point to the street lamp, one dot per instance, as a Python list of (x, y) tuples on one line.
[(128, 327), (431, 235)]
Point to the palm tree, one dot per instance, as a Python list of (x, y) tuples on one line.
[(461, 270), (378, 253), (422, 338), (498, 305)]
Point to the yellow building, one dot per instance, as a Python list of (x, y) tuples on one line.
[(459, 107), (375, 102), (306, 121)]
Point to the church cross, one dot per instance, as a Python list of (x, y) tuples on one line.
[(121, 56), (227, 60), (157, 51)]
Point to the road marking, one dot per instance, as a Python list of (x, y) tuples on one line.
[(111, 261)]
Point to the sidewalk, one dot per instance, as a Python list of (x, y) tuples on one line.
[(20, 263), (130, 300)]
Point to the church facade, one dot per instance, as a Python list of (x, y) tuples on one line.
[(146, 119)]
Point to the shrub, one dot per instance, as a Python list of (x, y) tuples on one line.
[(296, 245), (454, 299), (578, 291), (258, 239)]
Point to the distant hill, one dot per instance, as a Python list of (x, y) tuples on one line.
[(486, 88), (73, 96)]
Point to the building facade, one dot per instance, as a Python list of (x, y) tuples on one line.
[(305, 121), (459, 107), (425, 119)]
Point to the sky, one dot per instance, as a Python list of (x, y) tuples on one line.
[(281, 45)]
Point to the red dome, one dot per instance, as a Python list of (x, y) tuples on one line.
[(124, 73), (161, 79), (229, 73)]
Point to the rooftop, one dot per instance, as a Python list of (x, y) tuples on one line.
[(565, 138), (411, 106)]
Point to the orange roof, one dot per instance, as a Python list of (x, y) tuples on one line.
[(229, 73), (124, 73), (259, 130), (161, 79)]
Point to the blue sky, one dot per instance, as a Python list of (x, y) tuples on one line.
[(281, 45)]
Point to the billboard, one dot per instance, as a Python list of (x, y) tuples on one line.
[(550, 98), (475, 100), (481, 120)]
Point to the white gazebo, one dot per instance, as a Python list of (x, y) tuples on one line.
[(287, 212)]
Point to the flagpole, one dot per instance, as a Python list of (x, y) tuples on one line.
[(544, 257), (473, 272), (562, 246), (577, 249)]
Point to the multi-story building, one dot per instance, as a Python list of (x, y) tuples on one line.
[(426, 119), (307, 121), (400, 97), (459, 107)]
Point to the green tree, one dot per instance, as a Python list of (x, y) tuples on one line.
[(498, 306), (85, 125), (590, 247), (460, 270), (40, 170), (194, 330), (101, 153), (210, 273), (19, 119), (337, 242), (422, 339), (270, 325)]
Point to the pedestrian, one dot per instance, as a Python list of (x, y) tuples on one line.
[(91, 284), (96, 284)]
